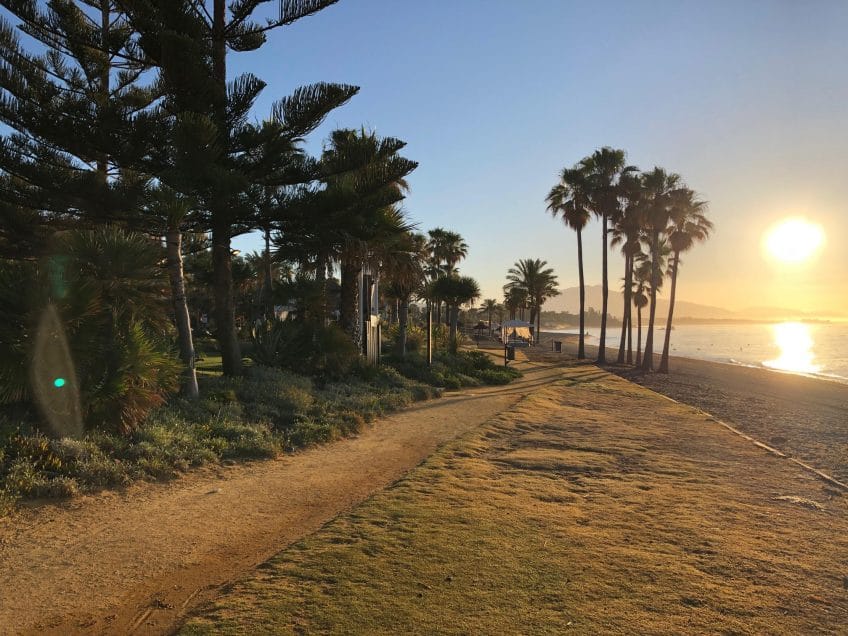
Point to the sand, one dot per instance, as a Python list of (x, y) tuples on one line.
[(803, 417)]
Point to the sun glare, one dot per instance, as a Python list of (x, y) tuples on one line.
[(794, 240), (795, 343)]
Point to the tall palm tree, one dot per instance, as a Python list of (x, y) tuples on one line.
[(689, 225), (489, 306), (659, 190), (538, 281), (627, 232), (570, 200), (605, 167)]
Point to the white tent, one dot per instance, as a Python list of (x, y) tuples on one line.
[(515, 331)]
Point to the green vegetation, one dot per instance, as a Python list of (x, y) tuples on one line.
[(466, 368), (263, 413)]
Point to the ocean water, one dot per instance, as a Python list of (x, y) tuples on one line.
[(815, 349)]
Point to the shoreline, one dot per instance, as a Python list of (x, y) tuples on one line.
[(803, 416), (612, 353)]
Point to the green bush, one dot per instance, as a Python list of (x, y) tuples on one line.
[(94, 316), (324, 352), (465, 369)]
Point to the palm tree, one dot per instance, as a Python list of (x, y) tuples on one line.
[(642, 276), (446, 250), (540, 284), (605, 168), (689, 225), (658, 191), (455, 291), (489, 306), (570, 200), (515, 299), (627, 232), (403, 265)]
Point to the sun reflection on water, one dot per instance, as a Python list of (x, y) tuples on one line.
[(795, 342)]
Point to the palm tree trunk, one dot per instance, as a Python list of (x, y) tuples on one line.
[(403, 316), (664, 360), (629, 335), (173, 242), (624, 314), (453, 312), (533, 312), (539, 324), (581, 348), (648, 358), (602, 344), (639, 337)]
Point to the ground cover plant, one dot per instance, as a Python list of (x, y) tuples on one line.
[(454, 371), (566, 515), (263, 413)]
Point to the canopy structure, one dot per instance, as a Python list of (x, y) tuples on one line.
[(515, 330)]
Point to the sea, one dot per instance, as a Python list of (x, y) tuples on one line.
[(818, 349)]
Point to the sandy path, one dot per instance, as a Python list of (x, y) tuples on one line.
[(136, 561)]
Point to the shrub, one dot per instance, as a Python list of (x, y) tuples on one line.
[(325, 352), (87, 316)]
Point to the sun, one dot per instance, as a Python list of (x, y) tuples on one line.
[(793, 240)]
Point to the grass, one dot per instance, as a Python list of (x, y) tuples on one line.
[(260, 415), (593, 507)]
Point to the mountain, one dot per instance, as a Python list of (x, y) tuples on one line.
[(569, 300)]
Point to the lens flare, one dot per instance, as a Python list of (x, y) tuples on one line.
[(795, 342), (59, 383)]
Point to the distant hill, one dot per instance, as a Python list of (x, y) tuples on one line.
[(569, 300)]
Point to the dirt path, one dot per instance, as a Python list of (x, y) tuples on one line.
[(138, 560)]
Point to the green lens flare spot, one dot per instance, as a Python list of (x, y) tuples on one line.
[(59, 383)]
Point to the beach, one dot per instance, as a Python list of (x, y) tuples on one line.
[(806, 418)]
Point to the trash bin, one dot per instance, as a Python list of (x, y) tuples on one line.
[(558, 346), (510, 353)]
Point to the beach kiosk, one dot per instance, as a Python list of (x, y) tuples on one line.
[(514, 333)]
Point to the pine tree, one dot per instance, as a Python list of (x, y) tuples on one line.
[(66, 108), (219, 155)]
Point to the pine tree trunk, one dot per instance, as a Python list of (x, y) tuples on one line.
[(664, 360), (267, 287), (225, 321), (175, 273), (403, 318), (349, 314), (581, 343), (648, 358), (221, 256)]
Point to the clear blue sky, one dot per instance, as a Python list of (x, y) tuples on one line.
[(747, 100)]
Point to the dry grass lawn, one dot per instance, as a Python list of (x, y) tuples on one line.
[(594, 506)]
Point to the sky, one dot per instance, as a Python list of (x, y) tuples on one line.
[(746, 100)]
